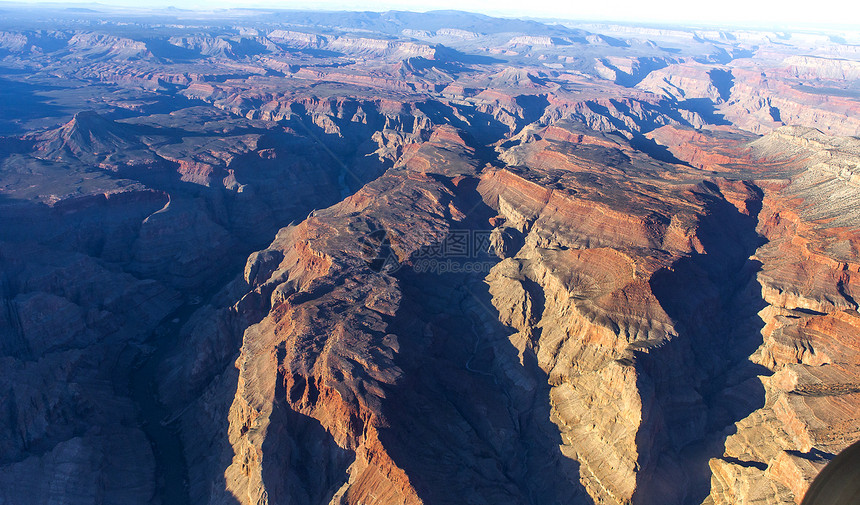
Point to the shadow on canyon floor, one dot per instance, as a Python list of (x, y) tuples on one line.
[(23, 102), (301, 461), (459, 426), (714, 300), (454, 425)]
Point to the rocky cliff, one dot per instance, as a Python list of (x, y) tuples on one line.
[(284, 257)]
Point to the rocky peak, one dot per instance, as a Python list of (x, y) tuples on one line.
[(88, 133)]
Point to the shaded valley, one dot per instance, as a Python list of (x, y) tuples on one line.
[(285, 257)]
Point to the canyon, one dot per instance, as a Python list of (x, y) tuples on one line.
[(284, 257)]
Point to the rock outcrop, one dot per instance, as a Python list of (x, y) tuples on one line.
[(512, 262), (808, 281)]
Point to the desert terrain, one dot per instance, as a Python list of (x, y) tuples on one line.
[(255, 257)]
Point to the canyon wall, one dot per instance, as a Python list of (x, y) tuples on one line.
[(393, 258)]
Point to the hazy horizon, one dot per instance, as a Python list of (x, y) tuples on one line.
[(835, 14)]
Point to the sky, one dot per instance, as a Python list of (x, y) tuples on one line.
[(764, 13)]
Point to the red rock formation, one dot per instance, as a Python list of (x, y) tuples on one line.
[(326, 361), (659, 306), (808, 281)]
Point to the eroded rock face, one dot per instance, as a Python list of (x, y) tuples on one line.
[(65, 322), (99, 277), (356, 350), (622, 330), (512, 262), (807, 279), (612, 316)]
